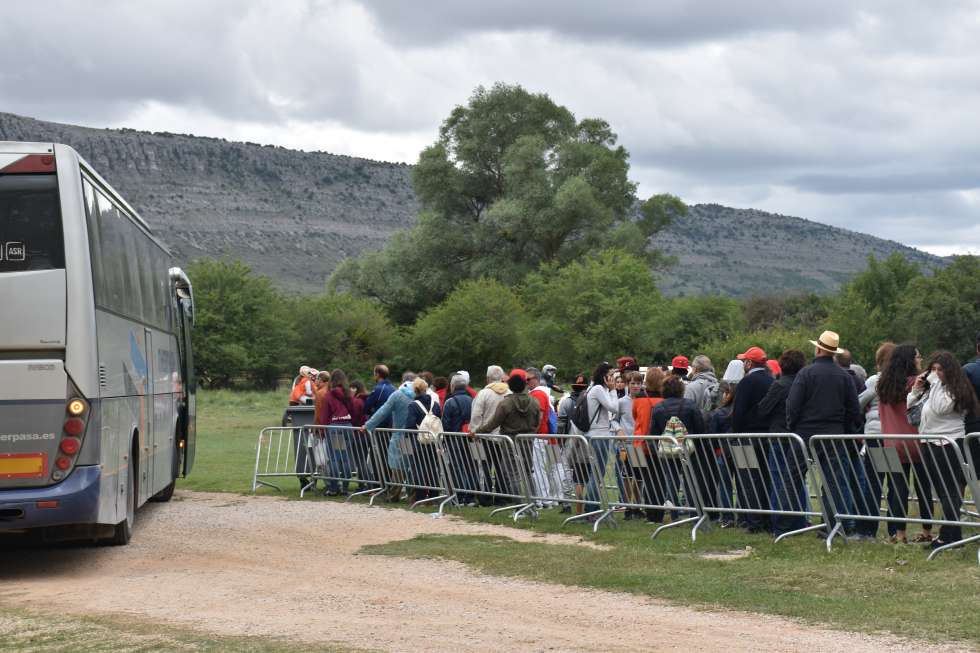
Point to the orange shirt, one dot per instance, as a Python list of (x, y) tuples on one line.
[(642, 410)]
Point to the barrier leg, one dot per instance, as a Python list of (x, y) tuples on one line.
[(528, 508), (694, 531), (679, 522), (517, 507), (584, 515), (834, 532), (799, 531), (955, 545)]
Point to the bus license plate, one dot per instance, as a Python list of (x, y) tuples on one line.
[(23, 465)]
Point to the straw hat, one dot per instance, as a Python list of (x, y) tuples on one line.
[(829, 341)]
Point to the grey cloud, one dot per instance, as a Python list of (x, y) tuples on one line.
[(667, 22), (913, 181), (264, 62)]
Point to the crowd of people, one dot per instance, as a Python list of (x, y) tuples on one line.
[(615, 406)]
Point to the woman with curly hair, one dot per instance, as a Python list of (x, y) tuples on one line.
[(947, 397), (892, 388)]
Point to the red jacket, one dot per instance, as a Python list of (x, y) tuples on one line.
[(333, 408), (544, 403), (357, 410)]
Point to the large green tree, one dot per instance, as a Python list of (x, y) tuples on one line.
[(476, 326), (513, 182), (596, 309), (865, 313), (239, 327), (340, 331), (942, 311)]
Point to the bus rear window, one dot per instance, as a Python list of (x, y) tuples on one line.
[(31, 237)]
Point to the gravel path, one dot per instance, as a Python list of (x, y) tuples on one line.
[(231, 565)]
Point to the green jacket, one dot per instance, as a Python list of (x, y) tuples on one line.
[(517, 413)]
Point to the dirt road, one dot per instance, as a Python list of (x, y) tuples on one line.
[(234, 565)]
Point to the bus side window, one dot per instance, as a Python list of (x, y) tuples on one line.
[(114, 266), (94, 242)]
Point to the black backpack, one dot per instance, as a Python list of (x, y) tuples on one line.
[(580, 414)]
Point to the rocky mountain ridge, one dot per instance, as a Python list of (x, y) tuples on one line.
[(294, 215)]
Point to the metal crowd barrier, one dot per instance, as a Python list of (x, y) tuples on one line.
[(547, 463), (342, 455), (655, 478), (758, 479), (280, 453), (414, 464), (854, 470), (485, 469), (863, 479)]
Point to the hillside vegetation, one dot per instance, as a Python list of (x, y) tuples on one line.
[(294, 215)]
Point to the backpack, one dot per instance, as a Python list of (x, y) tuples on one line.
[(430, 428), (580, 413), (675, 428)]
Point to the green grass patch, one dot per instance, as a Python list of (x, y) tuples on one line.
[(24, 630), (228, 425), (866, 586)]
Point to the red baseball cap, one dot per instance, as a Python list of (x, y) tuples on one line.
[(518, 372), (680, 362), (774, 367), (754, 354), (627, 364)]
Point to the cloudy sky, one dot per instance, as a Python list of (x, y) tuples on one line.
[(860, 114)]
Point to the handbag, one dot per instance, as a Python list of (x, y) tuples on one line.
[(914, 412)]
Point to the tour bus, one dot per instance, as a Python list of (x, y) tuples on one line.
[(97, 410)]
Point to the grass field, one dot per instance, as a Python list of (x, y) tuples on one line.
[(864, 586)]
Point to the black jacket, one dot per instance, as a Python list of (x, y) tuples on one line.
[(773, 405), (972, 370), (823, 400), (751, 391), (416, 414), (686, 409)]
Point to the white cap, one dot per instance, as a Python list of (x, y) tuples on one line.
[(734, 372), (465, 375)]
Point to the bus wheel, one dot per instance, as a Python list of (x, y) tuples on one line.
[(124, 529)]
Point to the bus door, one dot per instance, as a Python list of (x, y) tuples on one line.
[(150, 444)]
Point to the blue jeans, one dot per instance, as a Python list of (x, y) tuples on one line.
[(337, 443), (842, 471), (725, 485), (787, 466), (601, 450)]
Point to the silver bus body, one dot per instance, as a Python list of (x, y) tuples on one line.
[(108, 328)]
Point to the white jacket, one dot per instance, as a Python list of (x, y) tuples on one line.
[(939, 415), (869, 401), (603, 411)]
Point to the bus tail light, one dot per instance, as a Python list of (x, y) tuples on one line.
[(72, 432), (70, 446), (74, 426)]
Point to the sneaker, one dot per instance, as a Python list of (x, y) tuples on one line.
[(936, 543), (860, 537), (471, 504)]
